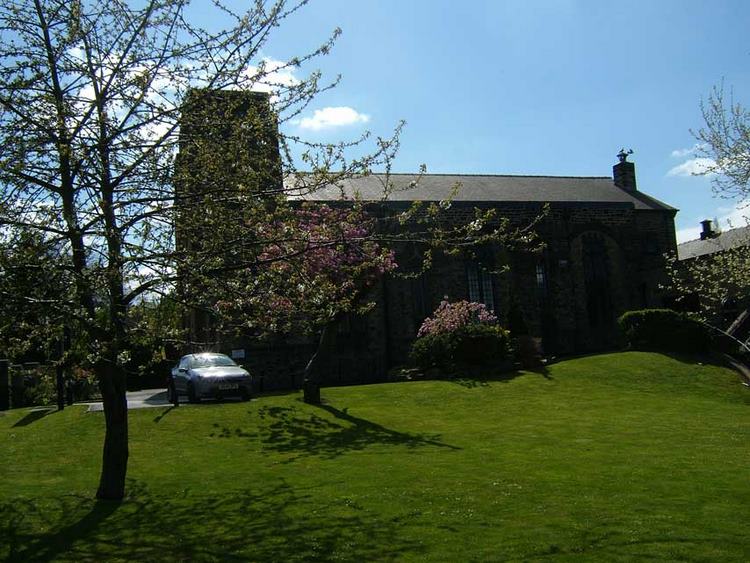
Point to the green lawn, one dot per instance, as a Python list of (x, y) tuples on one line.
[(613, 457)]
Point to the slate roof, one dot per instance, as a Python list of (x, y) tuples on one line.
[(477, 188), (724, 241)]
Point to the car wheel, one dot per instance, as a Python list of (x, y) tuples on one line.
[(245, 395), (170, 397), (192, 397)]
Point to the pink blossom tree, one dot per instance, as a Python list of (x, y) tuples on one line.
[(318, 263)]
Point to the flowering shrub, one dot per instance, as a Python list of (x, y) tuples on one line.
[(460, 333), (449, 317)]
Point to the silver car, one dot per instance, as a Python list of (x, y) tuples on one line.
[(210, 375)]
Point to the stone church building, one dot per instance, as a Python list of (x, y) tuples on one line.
[(604, 245), (604, 242)]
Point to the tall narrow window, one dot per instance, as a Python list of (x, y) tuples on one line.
[(479, 281), (541, 278), (541, 282)]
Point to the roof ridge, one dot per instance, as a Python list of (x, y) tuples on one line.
[(471, 174), (489, 175)]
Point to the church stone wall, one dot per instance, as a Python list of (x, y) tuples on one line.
[(365, 348), (635, 242)]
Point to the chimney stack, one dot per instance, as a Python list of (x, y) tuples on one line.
[(708, 231), (624, 172)]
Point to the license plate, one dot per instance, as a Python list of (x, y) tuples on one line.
[(227, 386)]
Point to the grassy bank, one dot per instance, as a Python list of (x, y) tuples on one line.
[(613, 457)]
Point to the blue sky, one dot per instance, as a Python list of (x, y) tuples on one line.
[(553, 87)]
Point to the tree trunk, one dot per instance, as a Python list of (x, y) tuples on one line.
[(115, 455), (311, 385)]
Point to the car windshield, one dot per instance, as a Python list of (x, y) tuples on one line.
[(211, 360)]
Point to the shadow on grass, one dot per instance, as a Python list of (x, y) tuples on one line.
[(157, 419), (24, 544), (615, 545), (33, 416), (542, 370), (303, 433), (276, 523)]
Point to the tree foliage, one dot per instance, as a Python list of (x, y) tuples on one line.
[(724, 140), (320, 262), (712, 282), (32, 280), (722, 278)]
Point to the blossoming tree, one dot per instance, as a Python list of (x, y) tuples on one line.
[(319, 264)]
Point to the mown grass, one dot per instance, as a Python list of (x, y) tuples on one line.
[(615, 457)]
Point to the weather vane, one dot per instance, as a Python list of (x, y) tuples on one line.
[(623, 154)]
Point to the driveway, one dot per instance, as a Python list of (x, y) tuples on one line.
[(143, 399)]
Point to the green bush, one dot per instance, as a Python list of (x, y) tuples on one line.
[(40, 387), (665, 330), (472, 344)]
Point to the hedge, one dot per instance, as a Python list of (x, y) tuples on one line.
[(665, 330)]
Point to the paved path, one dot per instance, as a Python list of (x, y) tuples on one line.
[(144, 399)]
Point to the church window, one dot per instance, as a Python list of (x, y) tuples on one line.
[(480, 284), (541, 278)]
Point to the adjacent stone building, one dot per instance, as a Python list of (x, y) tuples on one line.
[(706, 260), (712, 241)]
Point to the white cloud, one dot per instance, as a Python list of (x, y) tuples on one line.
[(270, 76), (330, 117), (693, 167), (682, 153)]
